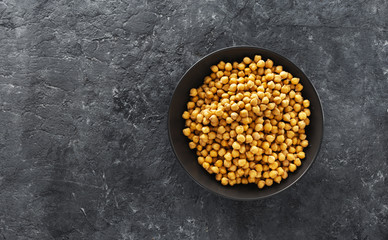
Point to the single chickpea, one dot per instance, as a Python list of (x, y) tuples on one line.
[(304, 143), (298, 98), (186, 131), (228, 156), (247, 60), (269, 63), (241, 66), (253, 66), (206, 165), (273, 174), (244, 113), (242, 162), (295, 81), (244, 181), (232, 182), (277, 179), (297, 107), (297, 162), (231, 175), (257, 58), (285, 89), (241, 138), (278, 69), (254, 150), (306, 103), (224, 181), (208, 159), (190, 105), (249, 138), (265, 145), (283, 74), (301, 155), (292, 167), (221, 152), (239, 129), (219, 177), (268, 182), (218, 163), (260, 64), (215, 169), (214, 68), (236, 145), (261, 184), (302, 115)]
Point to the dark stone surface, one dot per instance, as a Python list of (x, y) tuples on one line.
[(84, 93)]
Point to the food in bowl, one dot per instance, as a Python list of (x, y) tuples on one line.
[(247, 122)]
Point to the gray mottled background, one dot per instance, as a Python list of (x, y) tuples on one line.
[(84, 93)]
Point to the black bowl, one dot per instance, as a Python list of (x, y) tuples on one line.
[(193, 78)]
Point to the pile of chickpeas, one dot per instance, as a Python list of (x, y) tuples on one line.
[(247, 122)]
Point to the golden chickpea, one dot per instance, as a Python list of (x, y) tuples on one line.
[(228, 66), (219, 177), (261, 64), (232, 182), (214, 68), (186, 131), (206, 165), (215, 169), (304, 143), (285, 89), (241, 138), (301, 155), (239, 129), (218, 163), (268, 182), (269, 63), (236, 145), (299, 87), (242, 162), (298, 98), (297, 162), (277, 179), (213, 153), (297, 107), (261, 184), (283, 74), (233, 168), (270, 138), (295, 81), (306, 103), (247, 60), (224, 181), (271, 159), (273, 174), (302, 115), (231, 175), (235, 153), (248, 138), (265, 145), (208, 159), (241, 66), (292, 167)]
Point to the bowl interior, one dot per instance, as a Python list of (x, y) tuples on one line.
[(187, 157)]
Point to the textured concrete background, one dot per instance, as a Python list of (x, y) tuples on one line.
[(84, 93)]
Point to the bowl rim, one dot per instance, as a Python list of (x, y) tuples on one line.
[(245, 198)]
